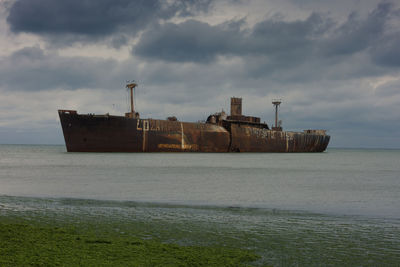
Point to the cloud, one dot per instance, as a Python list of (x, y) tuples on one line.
[(356, 34), (276, 43), (200, 42), (91, 20), (387, 53), (32, 69), (189, 41)]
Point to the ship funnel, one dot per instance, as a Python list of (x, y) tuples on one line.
[(236, 106)]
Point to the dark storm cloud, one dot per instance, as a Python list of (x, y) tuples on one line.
[(356, 34), (188, 41), (276, 43), (198, 41), (32, 69), (387, 53), (94, 18), (272, 51)]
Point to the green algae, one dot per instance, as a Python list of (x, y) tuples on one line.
[(40, 244)]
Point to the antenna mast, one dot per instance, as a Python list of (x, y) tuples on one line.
[(276, 103)]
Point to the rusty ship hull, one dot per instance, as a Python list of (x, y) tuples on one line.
[(250, 139), (106, 133)]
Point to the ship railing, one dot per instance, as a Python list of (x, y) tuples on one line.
[(68, 111), (313, 131)]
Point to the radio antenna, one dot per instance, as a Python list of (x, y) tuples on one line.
[(276, 103)]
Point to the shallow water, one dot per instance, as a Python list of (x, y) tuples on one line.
[(335, 208)]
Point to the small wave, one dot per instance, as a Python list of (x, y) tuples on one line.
[(31, 202)]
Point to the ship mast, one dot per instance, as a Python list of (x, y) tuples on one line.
[(131, 86)]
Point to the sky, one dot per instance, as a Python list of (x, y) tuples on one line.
[(334, 64)]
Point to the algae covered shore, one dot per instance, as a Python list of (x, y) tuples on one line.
[(41, 243), (85, 232)]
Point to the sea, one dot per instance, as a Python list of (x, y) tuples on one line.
[(336, 208)]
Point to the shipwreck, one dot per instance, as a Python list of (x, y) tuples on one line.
[(219, 133)]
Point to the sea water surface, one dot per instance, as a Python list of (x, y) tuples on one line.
[(340, 207)]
